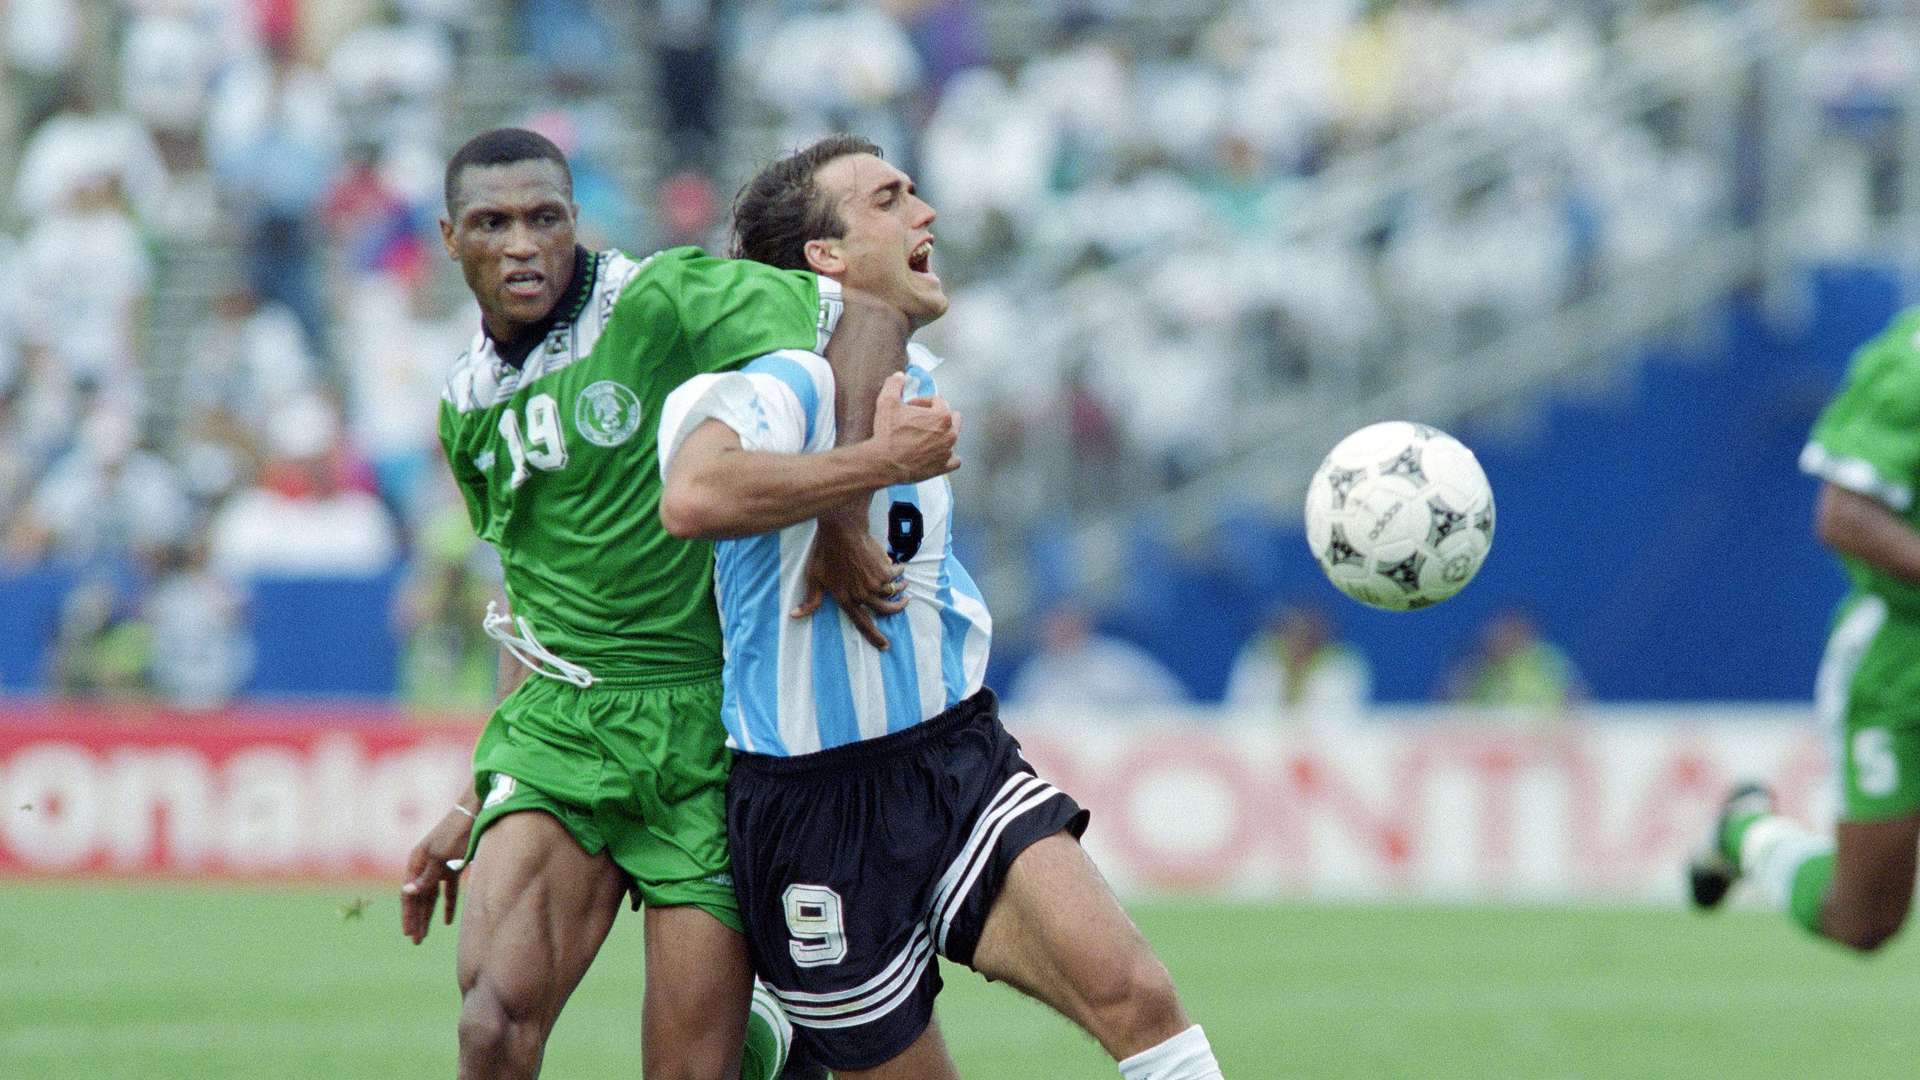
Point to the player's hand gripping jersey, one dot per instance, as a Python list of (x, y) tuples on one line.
[(556, 458), (799, 686)]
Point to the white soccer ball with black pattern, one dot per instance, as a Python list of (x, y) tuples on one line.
[(1400, 516)]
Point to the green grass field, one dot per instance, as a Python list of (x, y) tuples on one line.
[(193, 982)]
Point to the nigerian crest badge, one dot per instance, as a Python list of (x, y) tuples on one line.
[(607, 413)]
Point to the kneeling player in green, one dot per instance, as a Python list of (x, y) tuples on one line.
[(1856, 891), (607, 775)]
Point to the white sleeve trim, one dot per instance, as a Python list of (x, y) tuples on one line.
[(1855, 475)]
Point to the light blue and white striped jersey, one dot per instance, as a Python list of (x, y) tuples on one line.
[(797, 686)]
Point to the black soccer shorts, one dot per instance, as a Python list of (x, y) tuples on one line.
[(855, 865)]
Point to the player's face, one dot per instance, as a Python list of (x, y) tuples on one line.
[(887, 248), (514, 241)]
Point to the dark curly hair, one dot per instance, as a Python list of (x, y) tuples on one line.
[(781, 208)]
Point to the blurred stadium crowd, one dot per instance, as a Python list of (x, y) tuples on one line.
[(224, 315)]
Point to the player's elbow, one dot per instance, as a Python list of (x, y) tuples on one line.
[(687, 512)]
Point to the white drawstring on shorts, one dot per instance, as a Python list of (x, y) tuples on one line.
[(528, 650)]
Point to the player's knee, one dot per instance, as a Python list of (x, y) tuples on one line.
[(500, 1028)]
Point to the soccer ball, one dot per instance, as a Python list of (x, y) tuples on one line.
[(1400, 516)]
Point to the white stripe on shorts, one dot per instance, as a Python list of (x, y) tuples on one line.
[(1022, 792), (872, 999)]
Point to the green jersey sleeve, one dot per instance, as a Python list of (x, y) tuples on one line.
[(1867, 440), (468, 475), (728, 311)]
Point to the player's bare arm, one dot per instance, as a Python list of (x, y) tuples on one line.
[(1854, 524), (716, 490), (431, 865)]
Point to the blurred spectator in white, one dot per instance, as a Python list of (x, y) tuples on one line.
[(1088, 92), (986, 157), (85, 278), (302, 518), (838, 65), (390, 76), (200, 652), (37, 409), (106, 497), (170, 53), (84, 147), (398, 341), (1082, 673), (39, 43), (274, 139), (244, 359), (1294, 671), (1513, 668), (1297, 72), (167, 62)]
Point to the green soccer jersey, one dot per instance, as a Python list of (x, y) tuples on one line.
[(1868, 441), (556, 458)]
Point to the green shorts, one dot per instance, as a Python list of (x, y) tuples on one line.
[(1868, 696), (638, 773)]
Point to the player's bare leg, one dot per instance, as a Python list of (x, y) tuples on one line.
[(1873, 871), (537, 910), (1854, 887), (1057, 933), (698, 984), (926, 1059)]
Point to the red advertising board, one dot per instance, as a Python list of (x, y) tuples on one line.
[(1426, 806), (252, 793)]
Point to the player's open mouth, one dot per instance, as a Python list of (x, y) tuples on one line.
[(920, 259), (526, 284)]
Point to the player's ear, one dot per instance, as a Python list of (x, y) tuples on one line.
[(446, 239), (825, 257)]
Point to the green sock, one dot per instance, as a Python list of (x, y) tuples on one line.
[(1791, 864), (768, 1038), (1810, 883)]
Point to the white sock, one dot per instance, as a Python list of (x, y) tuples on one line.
[(1772, 852), (1186, 1056)]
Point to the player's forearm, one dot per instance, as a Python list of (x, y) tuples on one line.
[(1855, 525), (735, 492)]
